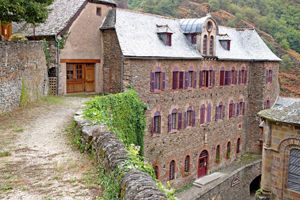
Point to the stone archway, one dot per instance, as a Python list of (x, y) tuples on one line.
[(255, 185)]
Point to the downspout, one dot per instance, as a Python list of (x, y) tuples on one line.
[(122, 69), (58, 61), (249, 84)]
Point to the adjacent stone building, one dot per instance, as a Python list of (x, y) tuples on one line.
[(281, 150), (204, 85)]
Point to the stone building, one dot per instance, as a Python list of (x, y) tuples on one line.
[(281, 150), (80, 59), (204, 85)]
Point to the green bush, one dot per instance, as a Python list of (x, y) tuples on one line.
[(17, 37)]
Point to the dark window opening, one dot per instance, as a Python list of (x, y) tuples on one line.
[(222, 76), (255, 185), (98, 12), (218, 158), (172, 170), (238, 146), (168, 39), (228, 152), (187, 164), (156, 170), (194, 38)]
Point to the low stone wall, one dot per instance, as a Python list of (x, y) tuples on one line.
[(21, 64), (111, 152)]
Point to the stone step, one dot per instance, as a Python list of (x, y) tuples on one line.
[(207, 179)]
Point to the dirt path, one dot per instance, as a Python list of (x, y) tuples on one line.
[(42, 164)]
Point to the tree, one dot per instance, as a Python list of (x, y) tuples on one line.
[(31, 11)]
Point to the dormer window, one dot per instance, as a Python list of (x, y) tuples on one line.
[(211, 46), (165, 34), (168, 39), (228, 45), (194, 38)]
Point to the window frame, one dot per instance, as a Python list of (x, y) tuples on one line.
[(202, 114), (98, 11), (172, 172), (187, 162), (228, 149), (238, 146), (293, 170), (156, 123), (157, 80), (175, 80), (205, 45), (194, 38), (222, 77), (211, 46), (168, 39), (218, 153), (190, 78)]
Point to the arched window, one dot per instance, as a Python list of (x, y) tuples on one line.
[(187, 164), (156, 170), (156, 123), (172, 170), (175, 84), (190, 78), (208, 113), (222, 76), (211, 46), (268, 104), (238, 144), (207, 77), (269, 75), (218, 157), (220, 111), (203, 154), (233, 79), (175, 120), (228, 151), (190, 117), (205, 45), (240, 108), (231, 109), (158, 80), (294, 170), (202, 114), (243, 76)]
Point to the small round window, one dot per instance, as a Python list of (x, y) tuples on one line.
[(209, 26)]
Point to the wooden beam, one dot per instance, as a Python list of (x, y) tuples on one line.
[(80, 60)]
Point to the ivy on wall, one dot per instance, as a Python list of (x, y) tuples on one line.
[(123, 113)]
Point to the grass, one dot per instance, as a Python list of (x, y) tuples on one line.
[(5, 153), (56, 177), (25, 188), (185, 188), (7, 188), (19, 130)]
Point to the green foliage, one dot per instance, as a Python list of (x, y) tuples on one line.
[(24, 96), (31, 11), (5, 153), (47, 53), (287, 64), (17, 37), (123, 113), (63, 40)]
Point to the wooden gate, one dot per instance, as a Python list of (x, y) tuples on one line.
[(202, 167), (80, 78)]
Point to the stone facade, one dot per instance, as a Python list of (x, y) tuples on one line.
[(22, 64)]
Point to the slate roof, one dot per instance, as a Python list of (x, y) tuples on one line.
[(288, 114), (283, 101), (137, 35), (62, 12)]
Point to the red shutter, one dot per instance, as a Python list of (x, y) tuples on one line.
[(271, 75), (186, 79), (186, 119), (175, 80), (181, 77), (170, 40), (208, 113), (163, 81), (267, 79), (224, 111), (201, 79), (217, 113), (170, 123), (214, 78), (230, 110), (236, 77), (179, 121), (245, 76), (152, 81), (195, 79), (221, 78), (201, 116), (233, 114), (229, 77), (194, 118), (226, 78), (240, 77), (153, 125), (243, 108)]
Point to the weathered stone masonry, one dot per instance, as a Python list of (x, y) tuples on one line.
[(21, 62)]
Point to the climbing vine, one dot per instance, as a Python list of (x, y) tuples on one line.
[(123, 113), (47, 53), (63, 40)]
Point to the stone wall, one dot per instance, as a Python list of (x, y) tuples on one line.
[(22, 64)]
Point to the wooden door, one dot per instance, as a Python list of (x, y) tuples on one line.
[(6, 31), (90, 78), (202, 166), (75, 78)]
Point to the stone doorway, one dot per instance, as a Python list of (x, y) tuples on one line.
[(255, 185)]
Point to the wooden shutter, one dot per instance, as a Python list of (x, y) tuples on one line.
[(245, 76), (267, 79), (229, 77), (153, 126), (201, 79), (236, 77), (170, 123), (243, 108), (174, 80), (271, 75), (152, 81), (163, 81), (179, 121), (186, 79), (203, 114), (226, 77), (224, 111), (233, 114), (181, 77), (240, 77), (214, 78), (230, 110), (217, 113), (238, 109), (186, 119), (195, 79), (208, 113), (194, 118)]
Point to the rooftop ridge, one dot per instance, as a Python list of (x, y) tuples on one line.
[(237, 29), (140, 12)]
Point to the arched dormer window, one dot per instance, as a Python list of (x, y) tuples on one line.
[(202, 114), (207, 77), (205, 45), (156, 129), (220, 111), (158, 79), (190, 117), (222, 76), (211, 46), (231, 109), (240, 108), (269, 75), (175, 120)]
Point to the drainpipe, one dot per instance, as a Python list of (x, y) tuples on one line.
[(122, 69), (249, 84), (58, 61)]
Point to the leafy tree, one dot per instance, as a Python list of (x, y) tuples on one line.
[(31, 11)]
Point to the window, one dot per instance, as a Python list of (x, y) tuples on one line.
[(194, 38), (220, 111), (190, 117), (158, 80), (181, 78), (207, 77), (228, 151), (98, 11), (168, 39), (156, 123), (294, 170), (175, 120), (231, 109), (268, 103), (74, 72), (269, 75), (172, 171), (222, 76), (175, 78), (208, 113), (190, 78), (243, 76), (228, 45), (233, 76), (211, 46), (240, 108), (156, 170), (238, 143), (218, 158), (187, 164), (202, 114), (205, 45), (70, 72)]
